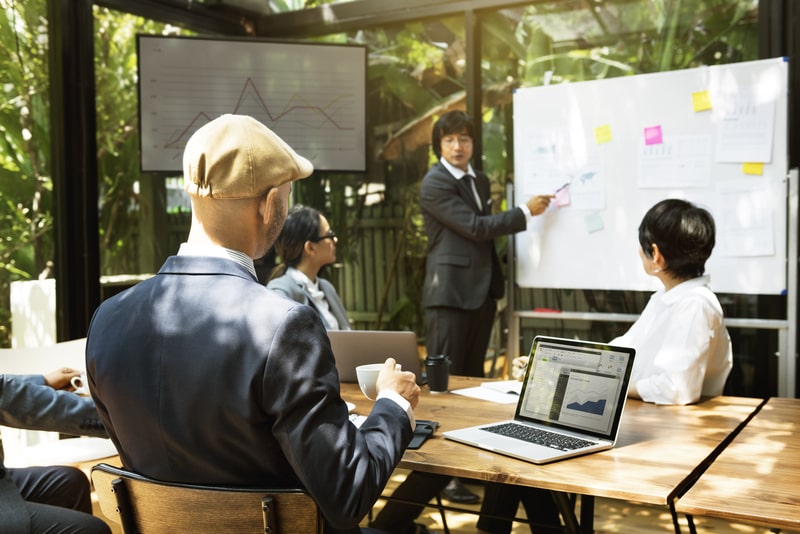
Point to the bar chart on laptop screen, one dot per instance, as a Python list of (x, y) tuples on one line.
[(313, 96)]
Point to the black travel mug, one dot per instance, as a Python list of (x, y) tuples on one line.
[(437, 370)]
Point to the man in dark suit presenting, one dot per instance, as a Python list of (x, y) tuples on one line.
[(203, 375), (463, 277)]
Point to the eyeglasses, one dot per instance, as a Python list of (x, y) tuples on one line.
[(330, 235), (450, 140)]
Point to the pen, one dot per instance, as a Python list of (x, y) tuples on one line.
[(562, 187)]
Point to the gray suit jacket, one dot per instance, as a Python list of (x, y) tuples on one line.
[(202, 374), (462, 266), (289, 287), (26, 402)]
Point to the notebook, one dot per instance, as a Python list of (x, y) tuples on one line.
[(573, 391), (352, 348)]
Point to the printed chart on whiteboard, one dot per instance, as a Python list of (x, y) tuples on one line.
[(313, 96)]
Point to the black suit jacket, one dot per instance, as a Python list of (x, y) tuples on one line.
[(201, 374), (462, 266)]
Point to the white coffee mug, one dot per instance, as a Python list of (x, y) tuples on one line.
[(368, 377), (80, 384)]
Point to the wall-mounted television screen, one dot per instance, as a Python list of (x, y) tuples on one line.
[(312, 95)]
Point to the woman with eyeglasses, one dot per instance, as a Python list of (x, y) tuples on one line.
[(305, 245)]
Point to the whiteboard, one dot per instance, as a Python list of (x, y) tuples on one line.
[(715, 136)]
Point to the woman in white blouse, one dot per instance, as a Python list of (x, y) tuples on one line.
[(683, 350), (305, 245)]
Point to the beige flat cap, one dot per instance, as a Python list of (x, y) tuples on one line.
[(235, 156)]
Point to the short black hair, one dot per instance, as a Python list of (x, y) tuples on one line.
[(684, 234), (452, 122)]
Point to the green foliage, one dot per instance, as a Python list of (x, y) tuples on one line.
[(121, 207), (26, 243), (26, 188)]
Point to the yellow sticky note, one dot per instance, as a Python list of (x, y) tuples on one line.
[(701, 101), (753, 168), (602, 134)]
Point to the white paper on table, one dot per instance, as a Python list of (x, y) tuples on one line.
[(513, 387), (487, 394)]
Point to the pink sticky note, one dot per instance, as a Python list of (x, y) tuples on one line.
[(562, 197), (653, 136)]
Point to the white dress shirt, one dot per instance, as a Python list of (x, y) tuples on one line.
[(683, 350), (196, 249), (316, 294)]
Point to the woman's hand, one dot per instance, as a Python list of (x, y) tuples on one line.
[(518, 366)]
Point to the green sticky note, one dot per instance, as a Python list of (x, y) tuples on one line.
[(593, 222)]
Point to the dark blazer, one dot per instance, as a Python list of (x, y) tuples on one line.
[(291, 288), (462, 266), (26, 402), (203, 375)]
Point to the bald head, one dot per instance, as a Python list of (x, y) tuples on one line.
[(249, 225)]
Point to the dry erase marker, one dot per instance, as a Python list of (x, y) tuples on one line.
[(562, 187)]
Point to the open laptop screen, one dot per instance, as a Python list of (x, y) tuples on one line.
[(576, 385)]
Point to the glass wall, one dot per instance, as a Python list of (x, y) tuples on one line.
[(416, 71), (137, 213), (563, 42)]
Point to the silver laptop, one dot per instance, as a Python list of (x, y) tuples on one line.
[(571, 403), (352, 348)]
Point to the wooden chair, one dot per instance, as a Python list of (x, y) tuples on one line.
[(143, 505)]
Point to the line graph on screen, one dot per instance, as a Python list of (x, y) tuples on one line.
[(313, 96)]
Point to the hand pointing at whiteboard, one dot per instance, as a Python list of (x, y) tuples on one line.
[(537, 204)]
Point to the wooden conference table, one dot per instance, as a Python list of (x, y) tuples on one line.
[(660, 451), (756, 479)]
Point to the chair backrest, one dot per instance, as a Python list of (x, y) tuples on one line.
[(143, 505)]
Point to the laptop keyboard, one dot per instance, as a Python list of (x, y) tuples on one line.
[(540, 437)]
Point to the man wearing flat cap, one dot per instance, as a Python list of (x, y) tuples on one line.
[(203, 375)]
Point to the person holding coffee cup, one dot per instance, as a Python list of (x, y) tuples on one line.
[(79, 384), (158, 353), (47, 498)]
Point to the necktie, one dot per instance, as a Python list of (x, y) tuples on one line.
[(471, 181)]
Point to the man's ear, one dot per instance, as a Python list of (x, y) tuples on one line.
[(266, 205)]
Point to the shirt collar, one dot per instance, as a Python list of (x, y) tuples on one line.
[(455, 171), (301, 277), (678, 291), (204, 249)]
